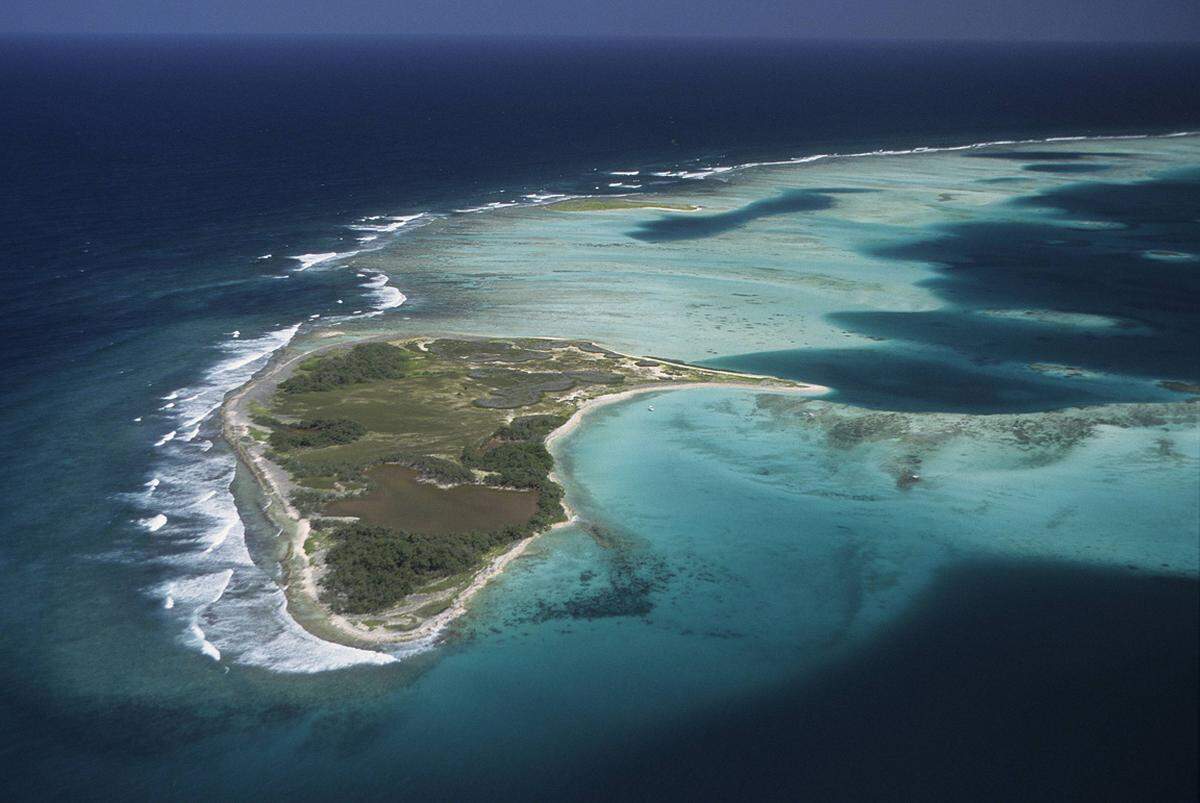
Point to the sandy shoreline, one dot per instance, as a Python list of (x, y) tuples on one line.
[(299, 582), (592, 405)]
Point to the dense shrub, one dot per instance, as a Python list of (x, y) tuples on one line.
[(363, 363), (265, 420), (516, 465), (343, 470), (530, 427), (439, 470), (315, 433), (308, 502), (372, 568)]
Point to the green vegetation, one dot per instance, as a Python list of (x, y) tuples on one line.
[(365, 362), (515, 465), (316, 433), (522, 388), (530, 427), (346, 467), (372, 568), (320, 483), (442, 471), (414, 440), (308, 502), (491, 350), (433, 608)]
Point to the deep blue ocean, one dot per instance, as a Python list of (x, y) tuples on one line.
[(156, 196)]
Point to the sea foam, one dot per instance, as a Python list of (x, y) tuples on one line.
[(383, 294), (154, 523), (487, 207), (309, 260), (224, 605)]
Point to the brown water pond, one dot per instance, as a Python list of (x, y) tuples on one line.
[(401, 502)]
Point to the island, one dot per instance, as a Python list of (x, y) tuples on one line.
[(405, 472)]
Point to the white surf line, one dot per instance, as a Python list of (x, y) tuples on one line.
[(922, 149), (310, 260), (701, 173), (385, 295), (705, 172), (154, 523), (206, 646)]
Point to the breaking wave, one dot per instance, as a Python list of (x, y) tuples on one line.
[(384, 295), (224, 605), (153, 524)]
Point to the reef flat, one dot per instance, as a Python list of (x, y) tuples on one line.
[(614, 204), (405, 473)]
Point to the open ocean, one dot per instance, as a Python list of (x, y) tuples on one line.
[(754, 608)]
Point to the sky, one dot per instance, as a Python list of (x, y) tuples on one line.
[(1016, 20)]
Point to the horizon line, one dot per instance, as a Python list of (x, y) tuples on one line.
[(627, 37)]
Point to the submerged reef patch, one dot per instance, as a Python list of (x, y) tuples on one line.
[(1069, 167), (1069, 278), (695, 227)]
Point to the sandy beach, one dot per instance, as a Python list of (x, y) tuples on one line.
[(301, 583)]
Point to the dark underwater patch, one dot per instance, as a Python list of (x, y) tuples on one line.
[(1006, 682), (1020, 265), (887, 379), (631, 579), (695, 227), (1170, 199), (1030, 265), (1054, 167), (986, 340), (1044, 266)]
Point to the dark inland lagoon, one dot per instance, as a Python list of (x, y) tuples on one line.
[(757, 602)]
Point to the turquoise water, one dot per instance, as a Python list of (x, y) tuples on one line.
[(789, 281), (730, 554), (868, 272), (766, 596), (740, 555), (743, 579)]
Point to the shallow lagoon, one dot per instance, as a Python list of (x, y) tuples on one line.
[(848, 261), (139, 283), (849, 253), (736, 567), (746, 585), (733, 567)]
